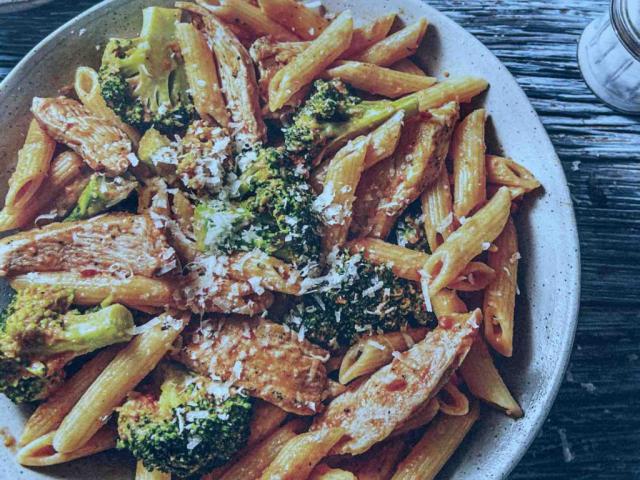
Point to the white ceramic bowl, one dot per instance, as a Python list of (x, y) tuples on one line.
[(550, 268)]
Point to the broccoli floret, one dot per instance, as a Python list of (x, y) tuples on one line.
[(184, 430), (331, 116), (39, 334), (101, 194), (271, 211), (409, 230), (142, 79), (354, 298)]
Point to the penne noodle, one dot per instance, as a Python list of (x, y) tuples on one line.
[(407, 66), (404, 262), (419, 418), (369, 34), (240, 12), (127, 369), (500, 295), (308, 65), (143, 474), (301, 454), (469, 174), (49, 415), (435, 447), (451, 258), (452, 401), (437, 207), (379, 462), (505, 171), (87, 87), (460, 90), (267, 272), (484, 380), (202, 75), (304, 22), (395, 47), (475, 276), (255, 460), (34, 159), (379, 80), (324, 472), (41, 453), (338, 193), (92, 290), (266, 419), (370, 353), (447, 302)]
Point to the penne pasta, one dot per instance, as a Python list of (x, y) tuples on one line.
[(134, 291), (369, 34), (266, 419), (302, 21), (379, 80), (301, 454), (435, 447), (405, 262), (395, 47), (372, 352), (49, 415), (452, 401), (335, 202), (127, 369), (407, 66), (450, 258), (143, 474), (474, 277), (437, 208), (379, 462), (460, 90), (87, 87), (422, 416), (505, 171), (241, 12), (310, 64), (485, 382), (255, 460), (500, 295), (469, 174), (324, 472), (202, 75), (34, 159), (41, 453), (264, 271)]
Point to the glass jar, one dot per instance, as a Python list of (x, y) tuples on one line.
[(609, 56)]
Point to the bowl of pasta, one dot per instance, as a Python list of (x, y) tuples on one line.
[(277, 240)]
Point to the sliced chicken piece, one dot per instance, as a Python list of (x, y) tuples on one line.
[(203, 293), (101, 144), (391, 185), (114, 243), (268, 360), (371, 412), (238, 80)]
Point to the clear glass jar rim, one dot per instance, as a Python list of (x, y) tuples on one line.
[(626, 25)]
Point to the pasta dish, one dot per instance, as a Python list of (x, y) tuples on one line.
[(258, 241)]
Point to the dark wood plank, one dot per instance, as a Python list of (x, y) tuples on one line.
[(596, 411)]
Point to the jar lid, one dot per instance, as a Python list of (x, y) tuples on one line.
[(625, 19)]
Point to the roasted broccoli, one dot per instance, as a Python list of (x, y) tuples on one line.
[(142, 78), (270, 209), (185, 430), (356, 297), (39, 334), (101, 194), (332, 115), (409, 230)]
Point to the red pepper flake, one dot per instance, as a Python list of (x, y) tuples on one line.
[(397, 385), (446, 322), (89, 273)]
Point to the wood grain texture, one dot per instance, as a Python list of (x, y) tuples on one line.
[(596, 411)]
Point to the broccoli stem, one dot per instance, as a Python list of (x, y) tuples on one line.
[(88, 332), (101, 194)]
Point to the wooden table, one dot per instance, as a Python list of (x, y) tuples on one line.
[(593, 431)]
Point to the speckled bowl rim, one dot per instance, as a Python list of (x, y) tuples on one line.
[(47, 46)]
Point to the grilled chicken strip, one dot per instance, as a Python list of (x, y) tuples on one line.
[(238, 80), (372, 411), (115, 243), (265, 358), (391, 185), (102, 145)]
